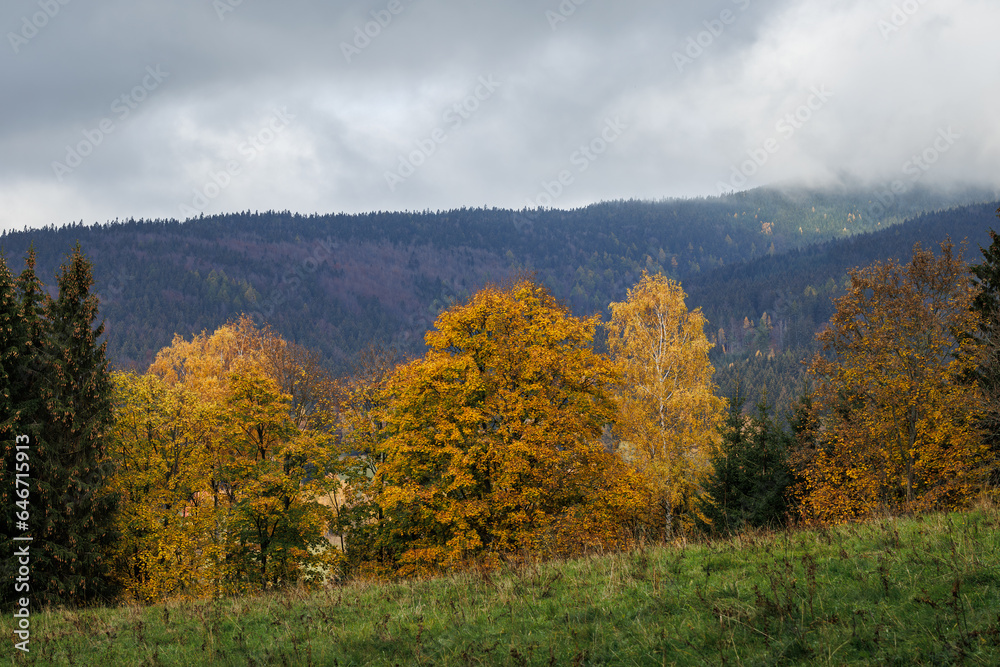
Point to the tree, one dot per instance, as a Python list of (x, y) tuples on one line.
[(669, 413), (365, 543), (13, 353), (986, 280), (73, 514), (166, 520), (750, 472), (223, 473), (896, 411), (492, 443), (271, 474)]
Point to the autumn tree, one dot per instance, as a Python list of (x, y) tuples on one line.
[(896, 411), (167, 520), (223, 472), (670, 416), (364, 398), (493, 437)]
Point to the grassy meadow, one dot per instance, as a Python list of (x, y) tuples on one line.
[(907, 591)]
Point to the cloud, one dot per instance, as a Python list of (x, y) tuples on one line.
[(701, 89)]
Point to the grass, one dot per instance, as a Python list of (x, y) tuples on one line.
[(913, 591)]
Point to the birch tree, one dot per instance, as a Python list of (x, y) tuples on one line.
[(670, 415)]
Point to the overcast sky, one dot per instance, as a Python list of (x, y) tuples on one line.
[(145, 108)]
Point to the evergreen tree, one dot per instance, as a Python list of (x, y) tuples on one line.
[(986, 277), (750, 472), (72, 514), (12, 354)]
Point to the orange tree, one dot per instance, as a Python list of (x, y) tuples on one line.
[(670, 415), (492, 442), (896, 410)]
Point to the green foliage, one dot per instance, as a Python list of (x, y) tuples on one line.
[(60, 392), (986, 278), (748, 485), (75, 530), (915, 591), (13, 355)]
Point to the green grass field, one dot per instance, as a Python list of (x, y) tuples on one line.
[(910, 591)]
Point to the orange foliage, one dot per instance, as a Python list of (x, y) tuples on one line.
[(492, 442), (896, 410)]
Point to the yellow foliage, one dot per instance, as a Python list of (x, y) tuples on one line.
[(670, 416), (220, 473)]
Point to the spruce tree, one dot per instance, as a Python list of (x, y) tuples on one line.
[(12, 355), (750, 473), (73, 513), (986, 277)]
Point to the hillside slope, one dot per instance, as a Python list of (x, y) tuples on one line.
[(340, 282), (909, 591)]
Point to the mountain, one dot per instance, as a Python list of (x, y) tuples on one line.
[(763, 265)]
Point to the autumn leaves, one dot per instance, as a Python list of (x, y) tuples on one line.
[(490, 445), (669, 415), (222, 453), (897, 408), (237, 457)]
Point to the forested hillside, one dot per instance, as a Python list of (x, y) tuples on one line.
[(763, 265)]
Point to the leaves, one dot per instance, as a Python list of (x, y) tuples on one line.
[(223, 473), (670, 415), (896, 409), (491, 441)]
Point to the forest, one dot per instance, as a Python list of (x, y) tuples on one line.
[(241, 460), (763, 266)]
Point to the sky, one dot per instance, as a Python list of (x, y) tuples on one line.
[(154, 109)]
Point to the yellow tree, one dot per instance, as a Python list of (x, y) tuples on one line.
[(492, 440), (161, 470), (363, 399), (223, 472), (895, 404), (272, 475), (670, 415)]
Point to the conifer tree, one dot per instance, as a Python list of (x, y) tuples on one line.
[(72, 514), (12, 354), (750, 471), (986, 278)]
